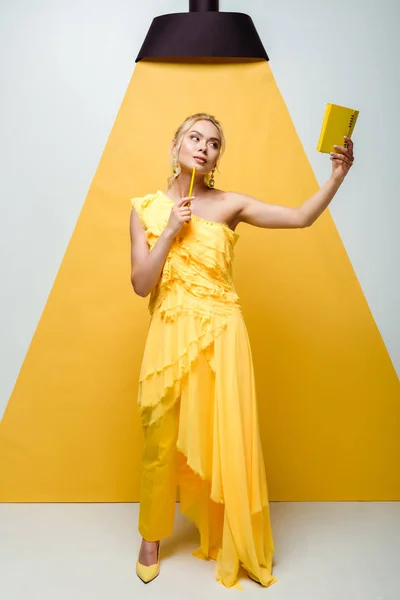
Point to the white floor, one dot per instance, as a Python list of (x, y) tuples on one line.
[(324, 551)]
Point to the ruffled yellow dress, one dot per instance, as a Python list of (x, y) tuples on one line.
[(198, 351)]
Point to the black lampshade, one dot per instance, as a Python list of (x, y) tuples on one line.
[(202, 32)]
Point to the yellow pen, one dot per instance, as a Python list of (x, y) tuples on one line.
[(191, 183)]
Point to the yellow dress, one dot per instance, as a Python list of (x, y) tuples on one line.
[(197, 350)]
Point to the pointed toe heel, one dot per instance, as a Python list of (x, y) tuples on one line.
[(147, 574)]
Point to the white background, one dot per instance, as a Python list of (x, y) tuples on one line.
[(65, 67)]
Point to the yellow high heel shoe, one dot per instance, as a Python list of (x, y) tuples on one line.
[(147, 574)]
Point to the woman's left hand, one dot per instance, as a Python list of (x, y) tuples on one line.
[(342, 159)]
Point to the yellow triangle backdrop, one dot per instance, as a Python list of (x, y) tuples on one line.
[(328, 394)]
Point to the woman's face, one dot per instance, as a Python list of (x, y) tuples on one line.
[(200, 147)]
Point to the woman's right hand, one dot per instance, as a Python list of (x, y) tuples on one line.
[(180, 214)]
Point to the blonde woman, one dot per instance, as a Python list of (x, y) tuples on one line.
[(196, 386)]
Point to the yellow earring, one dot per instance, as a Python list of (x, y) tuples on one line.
[(175, 167), (211, 183)]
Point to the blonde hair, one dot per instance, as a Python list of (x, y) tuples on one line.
[(180, 134)]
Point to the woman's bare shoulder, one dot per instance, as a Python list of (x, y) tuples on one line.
[(232, 203)]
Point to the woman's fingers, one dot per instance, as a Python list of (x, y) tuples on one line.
[(344, 154), (349, 147), (185, 212), (343, 150), (346, 151), (341, 157), (183, 201)]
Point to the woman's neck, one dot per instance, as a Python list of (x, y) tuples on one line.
[(180, 187)]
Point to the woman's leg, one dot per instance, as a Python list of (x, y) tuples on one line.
[(159, 480)]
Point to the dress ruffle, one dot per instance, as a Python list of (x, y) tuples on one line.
[(165, 364), (198, 353)]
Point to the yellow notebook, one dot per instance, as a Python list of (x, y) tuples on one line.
[(338, 122)]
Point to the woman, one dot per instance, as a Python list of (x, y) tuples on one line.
[(196, 386)]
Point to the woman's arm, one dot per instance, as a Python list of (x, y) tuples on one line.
[(274, 216), (261, 214), (146, 266)]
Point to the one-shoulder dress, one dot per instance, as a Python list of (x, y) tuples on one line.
[(196, 314)]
